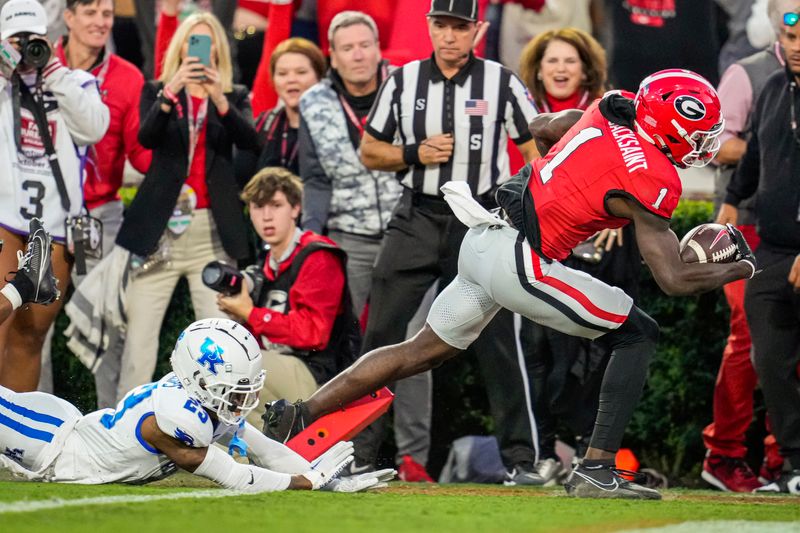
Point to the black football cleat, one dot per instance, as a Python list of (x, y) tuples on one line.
[(787, 483), (35, 265), (284, 420), (605, 481)]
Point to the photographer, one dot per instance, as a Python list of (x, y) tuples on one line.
[(302, 315), (35, 88)]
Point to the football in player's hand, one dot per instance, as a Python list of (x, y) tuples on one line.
[(708, 243)]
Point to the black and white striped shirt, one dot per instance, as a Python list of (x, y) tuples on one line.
[(482, 106)]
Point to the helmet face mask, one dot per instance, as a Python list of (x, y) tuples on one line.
[(679, 112), (231, 403), (218, 362)]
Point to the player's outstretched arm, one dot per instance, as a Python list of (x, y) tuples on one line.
[(548, 128), (216, 465), (271, 454), (661, 251)]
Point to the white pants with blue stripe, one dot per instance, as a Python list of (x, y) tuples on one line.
[(33, 427)]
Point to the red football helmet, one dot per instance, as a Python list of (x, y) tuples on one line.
[(679, 112)]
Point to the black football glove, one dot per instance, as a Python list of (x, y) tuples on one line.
[(284, 420), (743, 251)]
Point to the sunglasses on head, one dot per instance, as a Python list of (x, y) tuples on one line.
[(790, 19)]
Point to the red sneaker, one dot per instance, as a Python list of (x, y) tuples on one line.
[(730, 474), (413, 472)]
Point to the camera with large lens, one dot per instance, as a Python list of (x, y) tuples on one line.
[(227, 280), (223, 278), (35, 51)]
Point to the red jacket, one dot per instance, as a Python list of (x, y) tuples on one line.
[(120, 86), (315, 299)]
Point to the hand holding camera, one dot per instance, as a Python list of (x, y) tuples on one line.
[(236, 289), (25, 52)]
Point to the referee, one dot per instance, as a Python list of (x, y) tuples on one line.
[(449, 118)]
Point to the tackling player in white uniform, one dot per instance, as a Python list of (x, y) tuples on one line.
[(174, 422)]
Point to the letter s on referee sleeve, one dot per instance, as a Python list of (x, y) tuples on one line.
[(382, 122), (220, 467)]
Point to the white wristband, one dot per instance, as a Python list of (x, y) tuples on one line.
[(11, 293), (220, 467)]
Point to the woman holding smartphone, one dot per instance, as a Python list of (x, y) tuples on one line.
[(187, 211)]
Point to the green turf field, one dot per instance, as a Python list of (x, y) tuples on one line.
[(197, 507)]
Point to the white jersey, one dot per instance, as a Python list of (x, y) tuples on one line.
[(45, 438), (107, 445), (76, 117)]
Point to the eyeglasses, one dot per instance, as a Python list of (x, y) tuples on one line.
[(790, 19)]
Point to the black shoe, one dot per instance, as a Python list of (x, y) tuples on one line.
[(523, 474), (35, 265), (605, 481), (284, 420), (788, 483)]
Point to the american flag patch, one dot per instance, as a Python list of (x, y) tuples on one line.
[(478, 108)]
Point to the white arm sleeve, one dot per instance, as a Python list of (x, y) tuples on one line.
[(220, 467), (79, 103), (271, 454)]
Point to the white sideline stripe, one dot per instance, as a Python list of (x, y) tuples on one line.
[(28, 506), (723, 526)]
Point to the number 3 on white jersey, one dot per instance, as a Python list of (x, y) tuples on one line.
[(583, 136)]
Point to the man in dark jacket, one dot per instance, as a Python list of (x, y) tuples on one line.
[(770, 166)]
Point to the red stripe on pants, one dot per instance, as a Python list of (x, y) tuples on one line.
[(574, 293)]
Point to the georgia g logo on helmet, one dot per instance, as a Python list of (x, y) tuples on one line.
[(690, 107)]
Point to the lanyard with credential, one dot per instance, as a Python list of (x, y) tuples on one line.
[(351, 115), (195, 126), (285, 161)]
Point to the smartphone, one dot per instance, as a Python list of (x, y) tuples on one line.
[(200, 47)]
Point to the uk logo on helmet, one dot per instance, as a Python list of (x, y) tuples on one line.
[(690, 107), (211, 355)]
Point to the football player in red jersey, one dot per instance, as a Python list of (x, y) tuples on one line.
[(614, 166)]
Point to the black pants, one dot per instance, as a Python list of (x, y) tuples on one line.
[(773, 313), (565, 371), (420, 246)]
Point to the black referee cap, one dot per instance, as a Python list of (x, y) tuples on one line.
[(462, 9)]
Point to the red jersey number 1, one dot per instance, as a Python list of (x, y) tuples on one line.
[(583, 136)]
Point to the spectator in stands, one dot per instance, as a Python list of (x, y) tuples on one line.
[(302, 318), (770, 166), (725, 466), (187, 211), (341, 195), (563, 69), (295, 66), (522, 20), (34, 186)]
